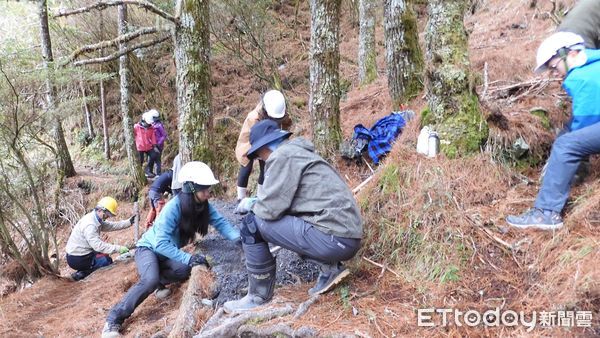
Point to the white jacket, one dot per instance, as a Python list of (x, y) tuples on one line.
[(85, 236)]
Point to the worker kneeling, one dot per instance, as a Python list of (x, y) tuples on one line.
[(86, 251), (304, 206)]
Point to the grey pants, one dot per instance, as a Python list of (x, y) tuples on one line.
[(567, 152), (153, 271), (294, 234)]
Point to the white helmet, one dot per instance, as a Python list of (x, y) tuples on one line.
[(274, 104), (197, 172), (550, 47), (147, 118)]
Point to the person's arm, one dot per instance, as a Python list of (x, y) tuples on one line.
[(223, 226), (167, 224), (114, 226), (92, 236), (278, 189)]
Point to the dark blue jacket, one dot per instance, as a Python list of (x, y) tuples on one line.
[(163, 183)]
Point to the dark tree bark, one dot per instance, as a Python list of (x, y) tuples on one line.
[(367, 52), (324, 103), (453, 105), (403, 53), (192, 56), (63, 158), (134, 165)]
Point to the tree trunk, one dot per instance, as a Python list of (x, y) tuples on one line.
[(324, 103), (134, 165), (63, 158), (403, 54), (367, 52), (453, 105), (192, 56), (105, 135), (86, 110)]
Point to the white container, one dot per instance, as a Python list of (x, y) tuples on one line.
[(423, 141), (433, 143)]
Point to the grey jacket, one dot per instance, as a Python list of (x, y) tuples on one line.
[(85, 236), (584, 19), (300, 183)]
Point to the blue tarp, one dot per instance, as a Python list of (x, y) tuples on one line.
[(383, 134)]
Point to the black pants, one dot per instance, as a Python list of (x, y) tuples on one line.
[(152, 157), (154, 270), (244, 174), (88, 263)]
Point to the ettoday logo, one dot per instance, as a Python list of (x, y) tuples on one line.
[(431, 317)]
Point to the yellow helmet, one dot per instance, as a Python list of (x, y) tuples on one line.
[(108, 203)]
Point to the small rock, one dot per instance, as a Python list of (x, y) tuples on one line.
[(354, 311), (207, 302)]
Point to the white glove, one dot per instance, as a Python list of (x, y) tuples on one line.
[(245, 205)]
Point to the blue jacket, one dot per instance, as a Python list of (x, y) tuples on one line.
[(583, 86), (163, 238)]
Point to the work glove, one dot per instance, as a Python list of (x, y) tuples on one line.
[(238, 242), (123, 249), (155, 149), (132, 219), (198, 259), (245, 205)]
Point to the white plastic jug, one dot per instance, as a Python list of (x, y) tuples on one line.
[(423, 141)]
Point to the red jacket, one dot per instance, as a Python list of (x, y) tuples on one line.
[(145, 138)]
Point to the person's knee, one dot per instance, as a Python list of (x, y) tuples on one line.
[(182, 272), (249, 230)]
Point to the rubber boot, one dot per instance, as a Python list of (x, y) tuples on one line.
[(329, 276), (261, 279), (150, 219), (241, 193)]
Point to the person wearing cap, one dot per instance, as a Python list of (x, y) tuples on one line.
[(271, 106), (86, 251), (146, 143), (305, 206), (564, 53), (153, 116), (158, 255)]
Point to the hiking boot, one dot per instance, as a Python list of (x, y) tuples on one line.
[(537, 219), (78, 275), (329, 277), (111, 330), (162, 292)]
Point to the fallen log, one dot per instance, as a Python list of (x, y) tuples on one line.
[(202, 284)]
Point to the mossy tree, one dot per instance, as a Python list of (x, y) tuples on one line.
[(324, 103), (403, 53), (453, 105), (134, 165), (192, 54), (63, 157), (367, 52)]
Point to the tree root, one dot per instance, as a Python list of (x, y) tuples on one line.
[(304, 306), (230, 326), (277, 330)]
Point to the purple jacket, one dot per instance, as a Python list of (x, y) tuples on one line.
[(161, 134)]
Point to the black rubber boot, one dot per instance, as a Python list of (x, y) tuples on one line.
[(329, 277), (261, 279)]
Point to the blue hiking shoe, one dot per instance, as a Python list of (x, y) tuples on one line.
[(537, 219)]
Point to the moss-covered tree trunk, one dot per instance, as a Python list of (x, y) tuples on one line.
[(192, 56), (453, 105), (135, 168), (324, 103), (367, 63), (63, 158), (403, 54)]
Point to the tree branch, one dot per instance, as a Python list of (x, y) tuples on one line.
[(116, 55), (101, 5), (108, 43)]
